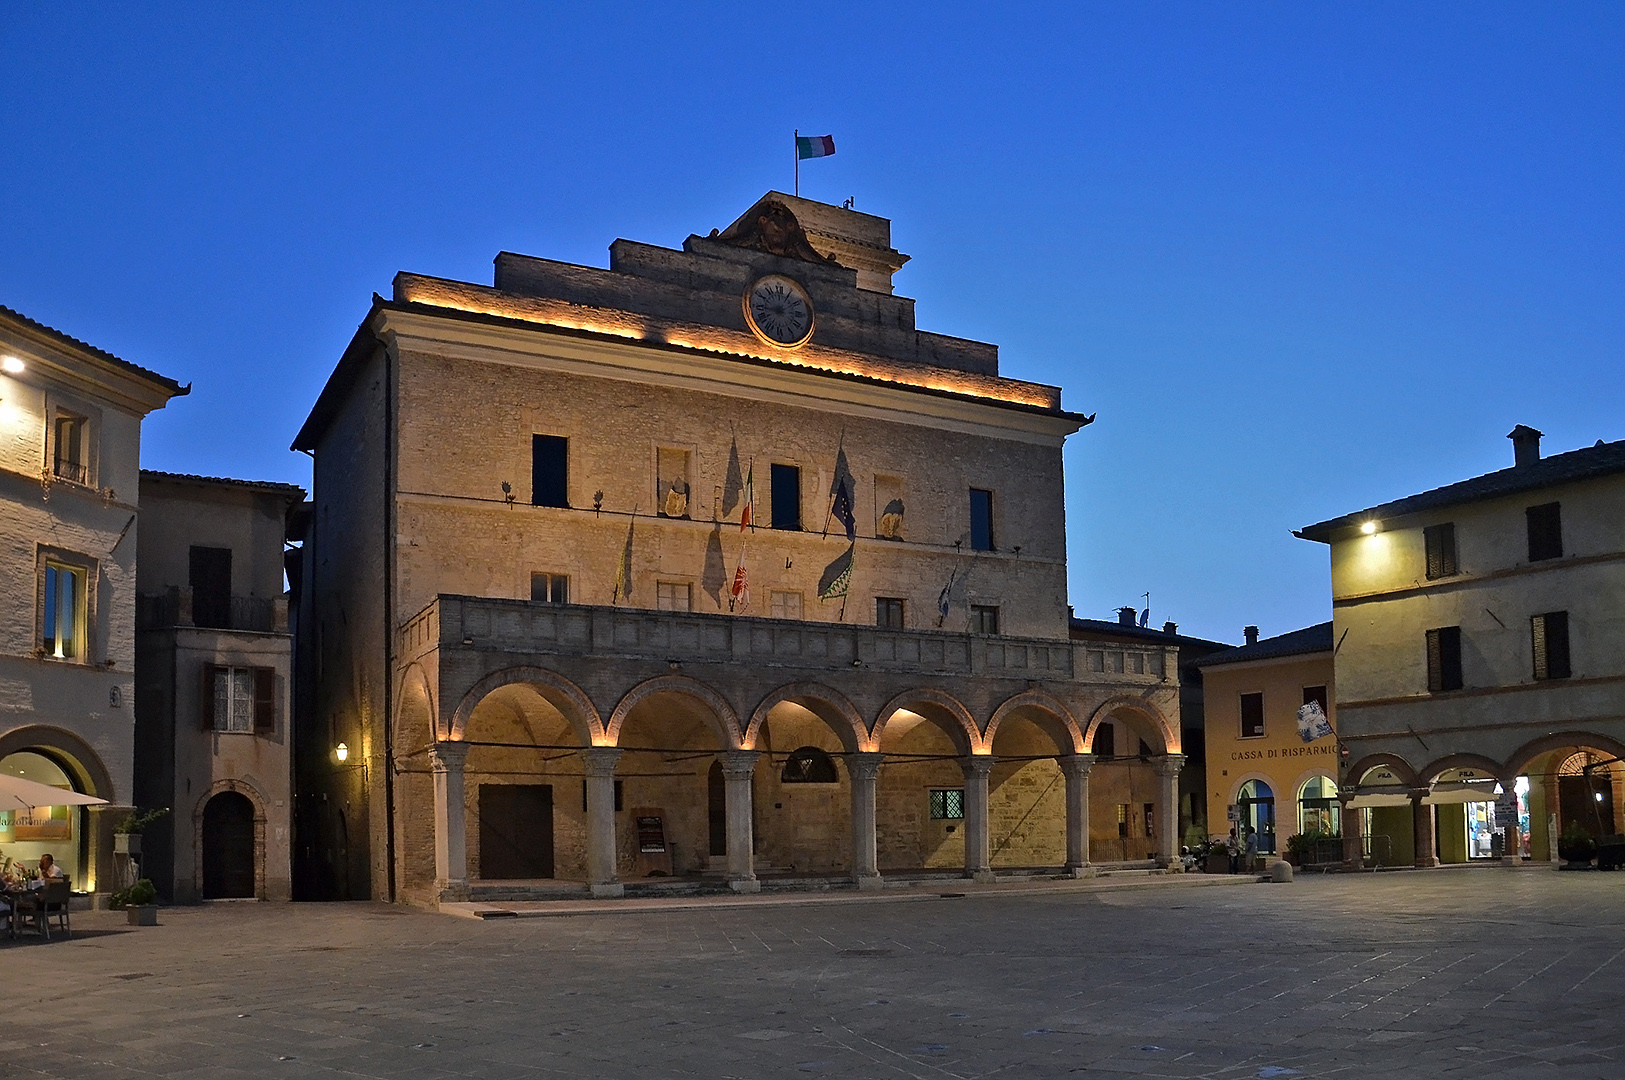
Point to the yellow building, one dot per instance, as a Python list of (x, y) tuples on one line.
[(1261, 772)]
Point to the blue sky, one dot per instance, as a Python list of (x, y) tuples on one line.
[(1299, 258)]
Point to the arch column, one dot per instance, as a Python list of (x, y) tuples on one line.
[(738, 769), (864, 768), (598, 763), (976, 769), (1076, 769), (1353, 823), (450, 820), (1168, 767), (1422, 829)]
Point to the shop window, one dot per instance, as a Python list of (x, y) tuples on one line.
[(981, 519), (785, 496), (1545, 531), (1256, 804), (1444, 659), (673, 595), (889, 612), (1252, 716), (889, 508), (948, 804), (238, 700), (1549, 634), (549, 470), (64, 612), (1318, 808), (550, 588), (672, 482), (809, 765), (984, 619), (1106, 741), (784, 605), (1440, 541)]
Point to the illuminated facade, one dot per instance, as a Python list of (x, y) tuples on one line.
[(1478, 631), (558, 657), (70, 443)]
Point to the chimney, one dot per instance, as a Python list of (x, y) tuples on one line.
[(1170, 628), (1251, 634), (1525, 445), (1126, 616)]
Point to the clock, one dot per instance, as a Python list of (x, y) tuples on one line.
[(779, 311)]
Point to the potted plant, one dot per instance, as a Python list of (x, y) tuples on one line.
[(139, 901), (127, 833), (1576, 847)]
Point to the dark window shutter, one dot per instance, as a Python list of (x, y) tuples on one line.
[(1435, 662), (1444, 658), (1441, 550), (205, 697), (1545, 531), (264, 701), (1549, 634), (1252, 716)]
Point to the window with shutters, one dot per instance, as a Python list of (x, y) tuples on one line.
[(239, 700), (549, 470), (785, 494), (1444, 658), (1441, 549), (1550, 637), (1252, 716), (673, 596), (1545, 531), (984, 619), (889, 612), (784, 604)]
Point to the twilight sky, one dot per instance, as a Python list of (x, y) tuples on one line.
[(1301, 259)]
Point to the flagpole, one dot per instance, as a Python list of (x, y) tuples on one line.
[(795, 148), (840, 445)]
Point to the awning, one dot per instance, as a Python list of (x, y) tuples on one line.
[(1448, 794), (1379, 796)]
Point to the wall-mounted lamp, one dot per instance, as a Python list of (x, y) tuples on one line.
[(342, 752), (1369, 527), (12, 365)]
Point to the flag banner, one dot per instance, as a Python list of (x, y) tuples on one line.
[(739, 592), (837, 576), (623, 569), (811, 146), (1312, 722), (843, 472), (842, 509), (715, 576), (944, 596), (733, 485), (750, 498)]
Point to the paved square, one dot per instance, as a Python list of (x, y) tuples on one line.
[(1480, 973)]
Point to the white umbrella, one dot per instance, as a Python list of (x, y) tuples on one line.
[(19, 794)]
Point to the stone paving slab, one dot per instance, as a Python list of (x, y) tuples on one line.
[(1483, 976)]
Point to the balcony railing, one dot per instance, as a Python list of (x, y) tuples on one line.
[(177, 607), (71, 471)]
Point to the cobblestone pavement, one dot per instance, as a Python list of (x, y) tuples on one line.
[(1480, 973)]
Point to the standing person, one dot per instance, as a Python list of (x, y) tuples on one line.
[(1232, 847), (1250, 849)]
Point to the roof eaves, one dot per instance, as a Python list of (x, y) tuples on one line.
[(170, 386)]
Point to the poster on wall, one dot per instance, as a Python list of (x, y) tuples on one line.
[(1312, 722), (43, 823)]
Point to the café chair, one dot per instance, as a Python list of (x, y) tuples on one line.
[(42, 905)]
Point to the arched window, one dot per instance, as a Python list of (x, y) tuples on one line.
[(1257, 805), (1318, 808), (809, 765)]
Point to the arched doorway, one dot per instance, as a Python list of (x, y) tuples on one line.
[(1256, 803), (56, 830), (805, 732), (1318, 808), (228, 847)]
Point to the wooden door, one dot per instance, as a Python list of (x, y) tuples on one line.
[(516, 831), (228, 847)]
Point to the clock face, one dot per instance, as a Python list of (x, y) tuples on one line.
[(779, 311)]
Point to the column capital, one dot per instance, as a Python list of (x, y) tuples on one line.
[(739, 764), (864, 765), (977, 766), (1076, 766), (600, 760), (1170, 764), (446, 755)]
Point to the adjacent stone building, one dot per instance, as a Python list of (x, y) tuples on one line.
[(213, 681), (709, 562), (1480, 678), (70, 447)]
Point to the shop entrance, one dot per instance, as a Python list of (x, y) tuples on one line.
[(516, 831), (1257, 806), (228, 847)]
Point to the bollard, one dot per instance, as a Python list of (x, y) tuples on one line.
[(1281, 871)]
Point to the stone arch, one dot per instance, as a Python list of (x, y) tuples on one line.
[(945, 711), (570, 700), (719, 714), (1528, 752), (416, 721), (257, 801), (1401, 767), (832, 707), (68, 751), (1058, 722), (1147, 713), (1431, 772)]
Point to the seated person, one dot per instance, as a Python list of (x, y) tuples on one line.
[(48, 871)]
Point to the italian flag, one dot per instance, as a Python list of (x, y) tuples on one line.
[(809, 146)]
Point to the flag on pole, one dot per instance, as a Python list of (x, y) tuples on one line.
[(837, 576), (623, 569), (841, 489), (811, 146), (739, 592), (750, 497), (943, 598), (733, 485)]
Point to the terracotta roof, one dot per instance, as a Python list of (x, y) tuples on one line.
[(1311, 639), (273, 486), (1149, 635), (175, 388), (1603, 459)]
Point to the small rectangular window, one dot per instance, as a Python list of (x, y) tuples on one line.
[(68, 460), (1122, 820), (785, 492), (62, 620), (209, 577), (981, 520), (889, 612), (549, 470), (1106, 741), (784, 605), (239, 700), (672, 482), (672, 595), (550, 588), (948, 804), (1441, 550), (1252, 716), (1444, 658), (1545, 531), (984, 619), (1550, 634), (1317, 694)]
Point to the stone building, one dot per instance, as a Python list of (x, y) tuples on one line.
[(1480, 679), (213, 674), (70, 450), (709, 562)]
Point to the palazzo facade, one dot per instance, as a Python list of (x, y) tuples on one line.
[(707, 563)]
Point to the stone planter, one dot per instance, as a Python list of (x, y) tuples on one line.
[(126, 843), (142, 915)]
